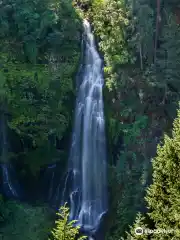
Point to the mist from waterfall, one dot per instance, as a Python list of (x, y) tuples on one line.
[(87, 161)]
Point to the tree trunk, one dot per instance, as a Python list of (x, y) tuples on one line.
[(158, 19)]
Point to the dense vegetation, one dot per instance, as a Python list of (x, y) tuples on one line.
[(163, 194), (140, 43), (39, 46), (141, 95), (39, 56), (22, 221)]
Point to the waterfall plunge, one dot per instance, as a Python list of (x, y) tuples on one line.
[(87, 161)]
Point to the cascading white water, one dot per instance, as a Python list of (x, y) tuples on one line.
[(87, 162)]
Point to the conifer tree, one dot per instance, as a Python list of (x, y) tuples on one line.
[(65, 230), (163, 196), (138, 225), (164, 193)]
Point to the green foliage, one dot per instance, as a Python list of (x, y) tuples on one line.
[(128, 196), (110, 18), (83, 4), (35, 109), (29, 28), (168, 65), (163, 195), (39, 56), (143, 27), (65, 230), (133, 130), (32, 103), (139, 222), (140, 95), (21, 221)]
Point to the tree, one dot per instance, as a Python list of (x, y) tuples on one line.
[(143, 31), (65, 230), (139, 224), (168, 66), (164, 193)]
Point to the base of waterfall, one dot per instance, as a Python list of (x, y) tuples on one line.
[(96, 233)]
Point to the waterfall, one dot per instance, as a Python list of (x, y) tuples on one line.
[(9, 184), (87, 161)]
